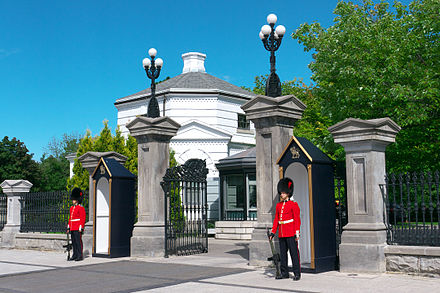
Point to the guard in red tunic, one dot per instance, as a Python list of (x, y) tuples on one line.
[(287, 219), (77, 220)]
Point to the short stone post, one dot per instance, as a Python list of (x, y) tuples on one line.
[(89, 161), (153, 136), (13, 189), (273, 119), (364, 237)]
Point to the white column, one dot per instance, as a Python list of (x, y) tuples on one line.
[(13, 189)]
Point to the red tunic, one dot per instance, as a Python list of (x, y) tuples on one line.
[(77, 218), (287, 218)]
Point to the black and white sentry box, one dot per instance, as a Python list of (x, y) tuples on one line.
[(312, 173), (114, 194)]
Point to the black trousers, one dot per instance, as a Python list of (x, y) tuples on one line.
[(289, 243), (77, 244)]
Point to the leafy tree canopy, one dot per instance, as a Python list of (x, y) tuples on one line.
[(54, 166), (16, 163), (379, 61), (59, 148), (314, 123), (104, 142)]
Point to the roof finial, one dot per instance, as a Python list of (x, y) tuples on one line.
[(193, 62)]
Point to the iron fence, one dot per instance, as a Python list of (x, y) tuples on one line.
[(3, 210), (341, 208), (412, 208), (46, 211), (240, 215)]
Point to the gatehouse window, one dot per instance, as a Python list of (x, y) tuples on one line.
[(242, 122), (240, 196)]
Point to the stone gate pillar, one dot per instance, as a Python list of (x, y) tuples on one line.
[(89, 161), (364, 237), (153, 136), (273, 119), (13, 189)]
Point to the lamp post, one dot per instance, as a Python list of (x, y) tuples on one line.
[(152, 68), (272, 40)]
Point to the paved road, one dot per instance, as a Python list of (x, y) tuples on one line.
[(223, 269)]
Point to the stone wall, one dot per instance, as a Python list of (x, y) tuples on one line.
[(40, 241), (420, 260), (234, 230)]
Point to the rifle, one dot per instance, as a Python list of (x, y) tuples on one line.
[(275, 257), (68, 246)]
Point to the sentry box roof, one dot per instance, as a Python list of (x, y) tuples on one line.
[(113, 168), (301, 149)]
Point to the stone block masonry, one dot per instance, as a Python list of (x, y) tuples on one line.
[(420, 260)]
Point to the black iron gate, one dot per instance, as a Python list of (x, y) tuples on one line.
[(186, 208), (3, 210)]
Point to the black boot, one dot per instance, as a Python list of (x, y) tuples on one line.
[(296, 277)]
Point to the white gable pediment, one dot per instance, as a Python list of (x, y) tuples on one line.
[(197, 130)]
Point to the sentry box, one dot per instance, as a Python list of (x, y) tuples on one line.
[(114, 194), (312, 173)]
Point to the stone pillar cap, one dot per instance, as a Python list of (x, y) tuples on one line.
[(11, 186), (353, 130), (71, 157), (263, 107), (91, 159), (160, 126)]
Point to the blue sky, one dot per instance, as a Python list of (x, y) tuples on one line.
[(64, 63)]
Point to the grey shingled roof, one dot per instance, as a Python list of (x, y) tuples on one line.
[(244, 159), (191, 80)]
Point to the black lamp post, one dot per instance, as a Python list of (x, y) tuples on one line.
[(272, 40), (152, 68)]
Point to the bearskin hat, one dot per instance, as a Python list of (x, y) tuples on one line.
[(285, 185), (77, 194)]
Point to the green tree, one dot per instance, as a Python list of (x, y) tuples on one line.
[(54, 173), (81, 176), (54, 166), (376, 61), (16, 163), (104, 142), (131, 151), (59, 148)]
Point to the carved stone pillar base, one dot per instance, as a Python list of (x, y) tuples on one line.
[(362, 251), (259, 248), (87, 239), (148, 240), (8, 235)]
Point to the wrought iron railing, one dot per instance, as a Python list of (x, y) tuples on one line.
[(341, 207), (412, 208), (240, 215), (3, 210), (46, 211)]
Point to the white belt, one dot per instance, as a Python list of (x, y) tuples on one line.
[(75, 220), (285, 222)]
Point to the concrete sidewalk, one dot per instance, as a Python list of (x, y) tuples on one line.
[(223, 269)]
